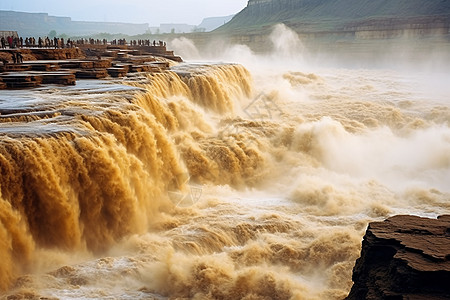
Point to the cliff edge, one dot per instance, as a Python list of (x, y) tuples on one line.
[(332, 15), (404, 257)]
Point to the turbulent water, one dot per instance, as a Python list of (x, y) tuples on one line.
[(214, 181)]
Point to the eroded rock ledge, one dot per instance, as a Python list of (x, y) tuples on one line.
[(404, 257)]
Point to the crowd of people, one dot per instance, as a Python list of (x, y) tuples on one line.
[(11, 42), (31, 42)]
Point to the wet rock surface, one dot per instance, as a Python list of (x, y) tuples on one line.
[(64, 66), (404, 257)]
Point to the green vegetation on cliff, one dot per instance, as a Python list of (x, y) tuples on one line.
[(323, 15)]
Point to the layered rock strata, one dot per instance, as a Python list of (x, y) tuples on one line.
[(404, 257)]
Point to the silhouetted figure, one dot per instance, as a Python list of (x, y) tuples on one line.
[(14, 58), (19, 57)]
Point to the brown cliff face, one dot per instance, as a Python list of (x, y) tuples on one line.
[(404, 257), (346, 27), (410, 17)]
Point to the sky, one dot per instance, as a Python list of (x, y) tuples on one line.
[(153, 12)]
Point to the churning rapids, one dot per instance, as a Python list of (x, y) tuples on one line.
[(214, 181)]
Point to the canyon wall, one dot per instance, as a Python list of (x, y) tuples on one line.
[(325, 23), (315, 15)]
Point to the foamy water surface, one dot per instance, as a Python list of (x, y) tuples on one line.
[(226, 181)]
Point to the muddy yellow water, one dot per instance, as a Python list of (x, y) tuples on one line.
[(211, 181)]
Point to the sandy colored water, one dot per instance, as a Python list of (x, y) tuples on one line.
[(215, 181)]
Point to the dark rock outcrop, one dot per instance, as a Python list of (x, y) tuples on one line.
[(404, 257)]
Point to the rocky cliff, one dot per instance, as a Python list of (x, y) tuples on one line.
[(346, 27), (404, 257), (316, 15)]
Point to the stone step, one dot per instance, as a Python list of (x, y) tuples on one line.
[(43, 66), (102, 64), (20, 77), (145, 68), (135, 69), (22, 85), (138, 60), (76, 64), (162, 65), (69, 64), (63, 78), (126, 67), (30, 79), (117, 72), (17, 67), (21, 80), (91, 73)]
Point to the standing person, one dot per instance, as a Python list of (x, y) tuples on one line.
[(14, 58), (19, 57), (10, 41), (3, 41)]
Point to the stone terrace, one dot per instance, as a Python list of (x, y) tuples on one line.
[(64, 66)]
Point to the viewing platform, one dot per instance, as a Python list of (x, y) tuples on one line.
[(63, 66)]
